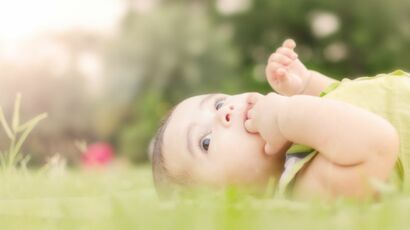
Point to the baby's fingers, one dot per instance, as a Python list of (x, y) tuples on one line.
[(289, 43), (280, 58), (287, 52), (250, 126), (281, 72), (275, 72), (272, 67), (268, 149), (250, 117)]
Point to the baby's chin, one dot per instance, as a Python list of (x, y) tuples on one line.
[(255, 141), (258, 138)]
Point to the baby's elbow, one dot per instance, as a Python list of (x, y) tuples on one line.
[(388, 147), (389, 144)]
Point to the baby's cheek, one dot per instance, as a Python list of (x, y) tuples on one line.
[(209, 173)]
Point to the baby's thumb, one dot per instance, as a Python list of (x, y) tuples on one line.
[(289, 43), (250, 126)]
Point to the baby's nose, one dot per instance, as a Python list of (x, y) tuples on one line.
[(224, 115)]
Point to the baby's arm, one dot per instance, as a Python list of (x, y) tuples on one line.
[(288, 76), (356, 144), (317, 83)]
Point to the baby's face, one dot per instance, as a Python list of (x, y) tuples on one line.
[(206, 141)]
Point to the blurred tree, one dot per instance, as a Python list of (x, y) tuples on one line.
[(363, 37)]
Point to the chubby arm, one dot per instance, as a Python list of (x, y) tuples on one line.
[(342, 133), (354, 145)]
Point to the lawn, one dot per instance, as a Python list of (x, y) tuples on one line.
[(124, 198)]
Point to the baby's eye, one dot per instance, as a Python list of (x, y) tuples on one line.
[(205, 142), (219, 104)]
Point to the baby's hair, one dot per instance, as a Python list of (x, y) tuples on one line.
[(165, 184)]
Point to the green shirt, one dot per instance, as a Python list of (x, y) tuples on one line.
[(387, 95)]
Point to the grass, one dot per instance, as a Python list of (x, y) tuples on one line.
[(124, 198), (120, 198)]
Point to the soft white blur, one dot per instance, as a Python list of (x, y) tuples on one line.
[(27, 29), (232, 6), (21, 19), (324, 23), (52, 51)]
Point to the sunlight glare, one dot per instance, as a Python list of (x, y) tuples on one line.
[(21, 19)]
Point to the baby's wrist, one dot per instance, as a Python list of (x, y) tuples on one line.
[(306, 81), (280, 111)]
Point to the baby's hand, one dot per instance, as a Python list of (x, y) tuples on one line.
[(284, 71), (263, 119)]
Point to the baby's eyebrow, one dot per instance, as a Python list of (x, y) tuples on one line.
[(206, 99)]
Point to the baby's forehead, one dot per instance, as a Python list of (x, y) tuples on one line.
[(174, 138), (185, 113)]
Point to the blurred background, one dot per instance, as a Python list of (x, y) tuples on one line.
[(107, 71)]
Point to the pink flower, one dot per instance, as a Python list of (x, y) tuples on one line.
[(98, 154)]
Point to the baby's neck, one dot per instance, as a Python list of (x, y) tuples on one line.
[(282, 151), (279, 158)]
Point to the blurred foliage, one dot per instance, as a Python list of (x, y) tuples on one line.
[(374, 33)]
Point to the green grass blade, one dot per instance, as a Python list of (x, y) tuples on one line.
[(5, 125), (3, 159), (16, 114), (30, 125)]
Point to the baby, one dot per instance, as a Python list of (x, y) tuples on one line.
[(317, 138)]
